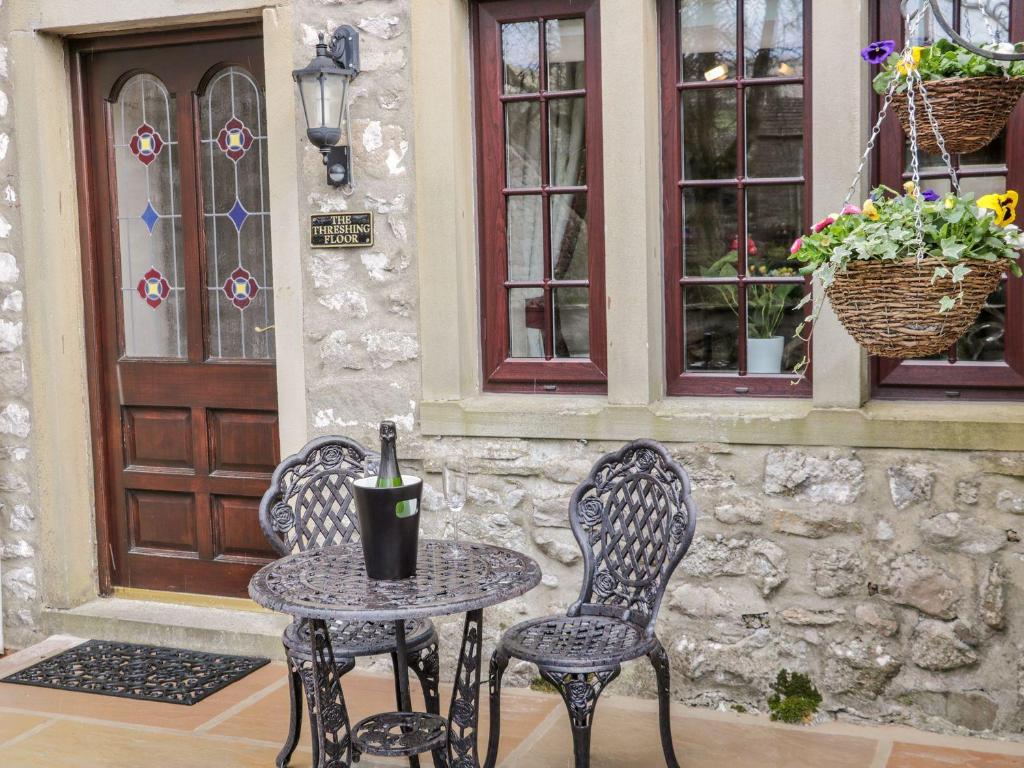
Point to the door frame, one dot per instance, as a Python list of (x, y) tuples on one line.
[(57, 238)]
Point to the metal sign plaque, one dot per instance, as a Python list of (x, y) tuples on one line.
[(341, 230)]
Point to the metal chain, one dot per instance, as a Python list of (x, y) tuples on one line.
[(934, 123), (912, 24)]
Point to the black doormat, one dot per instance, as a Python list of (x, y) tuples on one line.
[(148, 672)]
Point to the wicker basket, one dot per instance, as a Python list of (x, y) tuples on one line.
[(970, 111), (891, 308)]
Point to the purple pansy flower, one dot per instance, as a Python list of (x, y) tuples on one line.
[(878, 51), (930, 195)]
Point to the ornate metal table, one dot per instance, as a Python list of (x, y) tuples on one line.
[(330, 584)]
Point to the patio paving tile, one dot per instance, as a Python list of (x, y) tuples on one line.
[(72, 744), (628, 736), (921, 756), (12, 724), (365, 694), (118, 710)]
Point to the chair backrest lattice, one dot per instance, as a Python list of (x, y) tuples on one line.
[(634, 518), (309, 502)]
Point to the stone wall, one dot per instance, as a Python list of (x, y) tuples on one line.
[(18, 527), (891, 577)]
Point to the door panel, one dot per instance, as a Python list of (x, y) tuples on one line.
[(175, 151)]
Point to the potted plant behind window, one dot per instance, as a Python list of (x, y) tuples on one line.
[(971, 96), (766, 306)]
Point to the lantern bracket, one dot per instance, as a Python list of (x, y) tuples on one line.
[(344, 48)]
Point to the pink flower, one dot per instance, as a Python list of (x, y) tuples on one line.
[(824, 223), (848, 209), (797, 245)]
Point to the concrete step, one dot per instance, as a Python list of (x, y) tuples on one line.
[(201, 628)]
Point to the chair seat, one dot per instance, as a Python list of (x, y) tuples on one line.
[(576, 642), (360, 638)]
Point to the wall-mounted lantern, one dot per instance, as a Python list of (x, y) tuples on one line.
[(323, 88)]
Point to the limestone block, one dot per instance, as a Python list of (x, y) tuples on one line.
[(836, 479), (950, 530), (21, 582), (917, 581), (861, 666), (910, 483), (836, 571), (387, 347), (8, 268), (935, 646), (557, 544), (802, 617), (816, 522), (11, 336), (15, 420), (1010, 502), (968, 492), (763, 561), (879, 616), (385, 27), (992, 597)]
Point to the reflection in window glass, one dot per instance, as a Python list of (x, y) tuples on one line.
[(565, 53), (522, 144), (711, 328), (708, 117), (149, 220), (236, 211), (571, 317), (526, 322), (707, 39), (773, 37), (775, 131), (520, 52)]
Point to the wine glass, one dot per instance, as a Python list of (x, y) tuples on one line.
[(456, 487)]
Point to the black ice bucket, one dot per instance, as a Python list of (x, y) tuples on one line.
[(389, 540)]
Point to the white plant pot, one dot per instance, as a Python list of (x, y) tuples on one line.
[(765, 355)]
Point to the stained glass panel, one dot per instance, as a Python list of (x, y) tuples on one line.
[(149, 221), (240, 309)]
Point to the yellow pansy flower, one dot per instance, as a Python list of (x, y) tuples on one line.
[(1004, 206), (869, 209), (909, 188), (950, 202), (903, 67)]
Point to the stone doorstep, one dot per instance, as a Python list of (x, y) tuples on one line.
[(215, 630)]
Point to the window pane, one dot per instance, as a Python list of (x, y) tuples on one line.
[(774, 221), (772, 319), (522, 143), (985, 340), (572, 322), (567, 142), (708, 120), (707, 39), (985, 21), (775, 131), (565, 50), (149, 220), (929, 30), (520, 53), (525, 238), (237, 218), (773, 33), (570, 257), (526, 322), (709, 229), (710, 328)]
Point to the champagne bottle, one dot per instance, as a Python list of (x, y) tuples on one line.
[(389, 475)]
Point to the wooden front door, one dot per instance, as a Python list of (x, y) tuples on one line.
[(179, 298)]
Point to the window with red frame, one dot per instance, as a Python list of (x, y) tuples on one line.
[(988, 361), (736, 118), (541, 215)]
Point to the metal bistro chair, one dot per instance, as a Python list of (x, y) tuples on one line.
[(309, 505), (634, 519)]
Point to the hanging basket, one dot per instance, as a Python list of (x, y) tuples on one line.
[(891, 308), (969, 111)]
